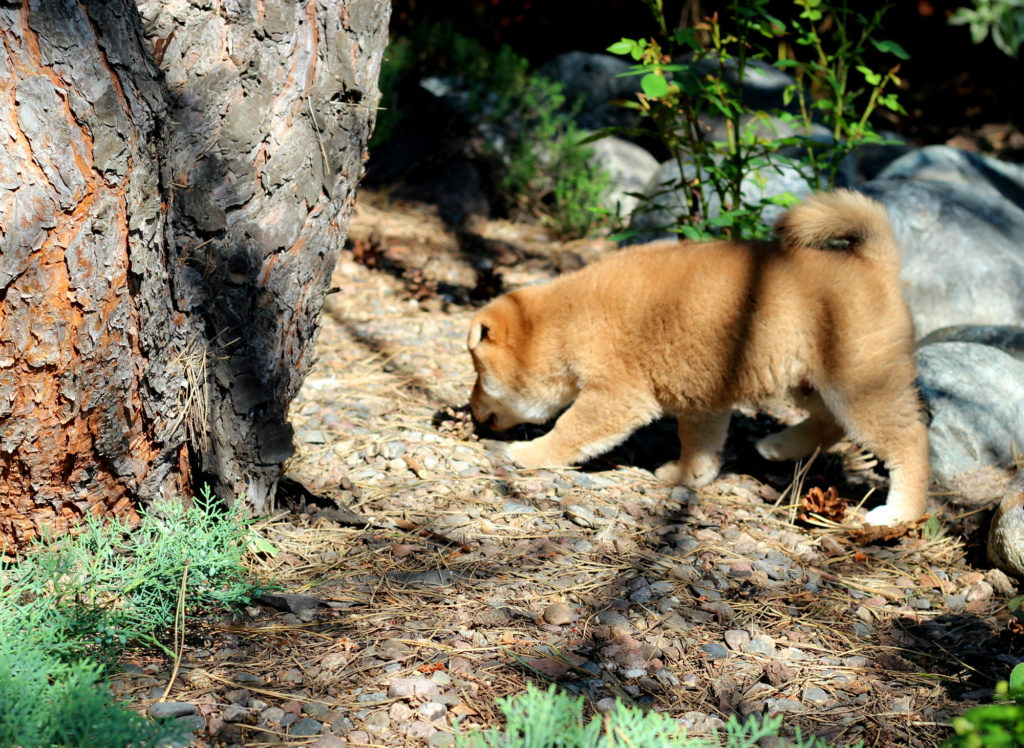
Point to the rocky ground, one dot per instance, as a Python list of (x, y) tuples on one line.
[(426, 578)]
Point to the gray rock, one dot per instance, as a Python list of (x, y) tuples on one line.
[(316, 709), (289, 603), (956, 603), (816, 695), (1006, 535), (975, 397), (235, 713), (407, 688), (1007, 338), (761, 645), (595, 79), (737, 639), (963, 252), (715, 651), (192, 722), (170, 709), (611, 618), (630, 168), (943, 163), (666, 203), (433, 710), (306, 727)]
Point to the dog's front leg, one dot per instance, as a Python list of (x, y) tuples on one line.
[(593, 424)]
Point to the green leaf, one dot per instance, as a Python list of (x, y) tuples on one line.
[(1017, 684), (1016, 606), (259, 544), (870, 76), (890, 47), (654, 85), (623, 47)]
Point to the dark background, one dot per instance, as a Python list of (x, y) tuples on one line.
[(952, 88)]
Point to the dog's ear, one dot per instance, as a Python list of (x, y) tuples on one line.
[(487, 326), (477, 334)]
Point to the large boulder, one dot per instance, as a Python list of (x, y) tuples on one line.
[(974, 395), (1006, 338), (1006, 534), (666, 202), (963, 251), (942, 163), (630, 168), (593, 80)]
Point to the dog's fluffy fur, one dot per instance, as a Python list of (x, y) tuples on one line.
[(693, 329)]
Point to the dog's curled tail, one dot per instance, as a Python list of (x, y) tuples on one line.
[(840, 221)]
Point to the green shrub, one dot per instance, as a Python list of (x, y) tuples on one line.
[(46, 703), (689, 75), (1003, 19), (997, 725), (96, 591), (553, 719), (70, 607), (545, 169)]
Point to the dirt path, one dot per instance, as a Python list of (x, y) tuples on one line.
[(433, 561)]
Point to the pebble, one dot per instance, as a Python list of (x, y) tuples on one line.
[(192, 722), (737, 639), (235, 713), (371, 698), (775, 706), (979, 591), (715, 651), (956, 603), (581, 515), (408, 688), (421, 730), (861, 629), (558, 614), (273, 715), (815, 694), (432, 710), (305, 728), (611, 618), (170, 709), (761, 645)]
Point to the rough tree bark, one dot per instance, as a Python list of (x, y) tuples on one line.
[(166, 239)]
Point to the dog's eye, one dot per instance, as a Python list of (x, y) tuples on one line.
[(484, 329)]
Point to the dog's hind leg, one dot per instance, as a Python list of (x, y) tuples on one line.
[(701, 440), (818, 431), (886, 419)]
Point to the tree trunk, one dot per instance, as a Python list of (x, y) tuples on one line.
[(166, 240)]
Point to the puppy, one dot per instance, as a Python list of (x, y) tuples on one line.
[(693, 329)]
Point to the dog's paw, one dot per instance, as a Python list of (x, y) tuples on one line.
[(886, 516), (693, 473), (529, 455)]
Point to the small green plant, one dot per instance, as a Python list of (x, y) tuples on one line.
[(1003, 19), (110, 585), (545, 168), (996, 725), (45, 702), (690, 76), (553, 719), (70, 607)]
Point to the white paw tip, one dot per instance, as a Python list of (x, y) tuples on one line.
[(883, 516)]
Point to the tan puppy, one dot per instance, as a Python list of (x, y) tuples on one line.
[(694, 329)]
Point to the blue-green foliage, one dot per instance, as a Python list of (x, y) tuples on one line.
[(553, 719), (69, 608)]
